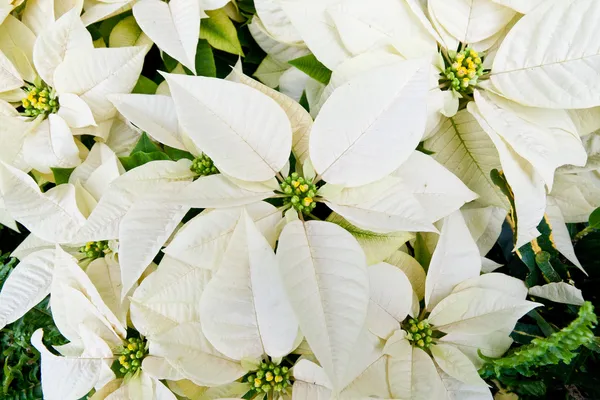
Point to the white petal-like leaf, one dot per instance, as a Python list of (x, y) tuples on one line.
[(51, 144), (57, 41), (455, 259), (471, 21), (82, 373), (105, 274), (52, 216), (203, 240), (544, 62), (217, 191), (390, 299), (355, 143), (173, 27), (142, 233), (526, 183), (168, 297), (493, 344), (26, 286), (560, 234), (9, 76), (452, 361), (540, 136), (236, 120), (478, 311), (276, 21), (75, 111), (245, 311), (94, 74), (466, 150), (325, 275), (154, 114), (299, 118), (559, 292), (438, 191), (190, 353), (412, 269), (311, 20)]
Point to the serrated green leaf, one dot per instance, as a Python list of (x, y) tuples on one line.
[(141, 158), (205, 60), (220, 32), (312, 67), (145, 86), (62, 175)]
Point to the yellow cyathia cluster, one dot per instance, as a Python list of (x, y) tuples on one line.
[(133, 353), (465, 70), (300, 193), (95, 250), (419, 333), (270, 377), (203, 166), (40, 100)]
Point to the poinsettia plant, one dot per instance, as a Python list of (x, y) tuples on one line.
[(399, 206)]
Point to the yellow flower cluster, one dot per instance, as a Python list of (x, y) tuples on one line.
[(300, 193), (133, 353), (466, 68), (419, 333), (95, 250), (39, 101), (269, 377)]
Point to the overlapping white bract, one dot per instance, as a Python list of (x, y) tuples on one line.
[(251, 278)]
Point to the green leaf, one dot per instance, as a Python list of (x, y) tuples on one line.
[(422, 253), (61, 175), (313, 68), (141, 158), (170, 62), (377, 247), (145, 145), (595, 219), (220, 32), (205, 61), (542, 260), (176, 154), (145, 86)]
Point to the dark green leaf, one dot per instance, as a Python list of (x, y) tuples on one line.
[(137, 159), (313, 68), (176, 154), (595, 219), (61, 175), (145, 86), (205, 61), (145, 145)]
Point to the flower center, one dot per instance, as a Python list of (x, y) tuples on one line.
[(419, 333), (203, 166), (40, 100), (95, 250), (463, 72), (299, 193), (134, 351), (269, 377)]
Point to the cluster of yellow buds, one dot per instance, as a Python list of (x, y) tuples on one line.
[(95, 250), (465, 70), (270, 377), (300, 193), (132, 355), (419, 333), (40, 100), (203, 166)]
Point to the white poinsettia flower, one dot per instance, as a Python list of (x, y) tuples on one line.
[(251, 301), (433, 353), (61, 83), (83, 311)]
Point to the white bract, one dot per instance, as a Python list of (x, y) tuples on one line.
[(61, 82)]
